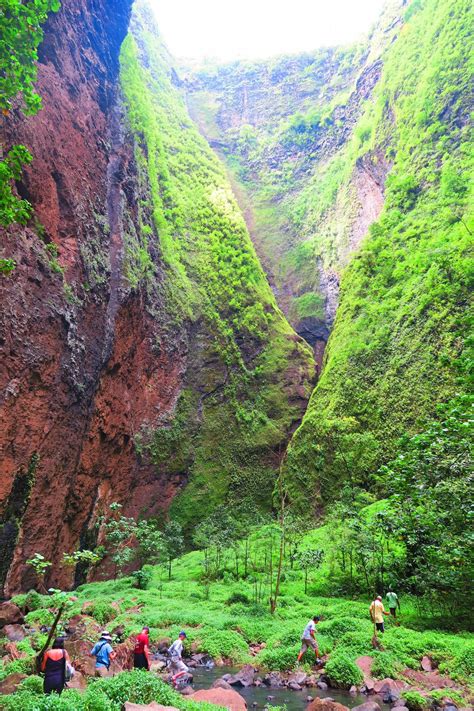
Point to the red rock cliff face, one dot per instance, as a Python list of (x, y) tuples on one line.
[(78, 370)]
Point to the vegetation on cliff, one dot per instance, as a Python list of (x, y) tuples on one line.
[(238, 404), (392, 127)]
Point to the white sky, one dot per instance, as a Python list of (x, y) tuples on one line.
[(230, 29)]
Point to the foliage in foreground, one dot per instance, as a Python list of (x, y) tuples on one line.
[(103, 695)]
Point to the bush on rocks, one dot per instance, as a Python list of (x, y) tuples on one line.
[(342, 671)]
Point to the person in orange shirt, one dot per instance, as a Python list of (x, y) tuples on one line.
[(54, 667), (141, 654)]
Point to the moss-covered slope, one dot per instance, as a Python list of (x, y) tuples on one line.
[(382, 137), (248, 375)]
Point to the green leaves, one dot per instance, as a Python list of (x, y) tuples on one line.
[(20, 35)]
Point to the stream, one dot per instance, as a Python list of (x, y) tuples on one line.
[(257, 696)]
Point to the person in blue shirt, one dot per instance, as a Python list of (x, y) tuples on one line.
[(103, 653)]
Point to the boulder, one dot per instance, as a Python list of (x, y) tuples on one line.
[(154, 706), (186, 691), (311, 680), (221, 684), (322, 685), (298, 677), (367, 706), (326, 705), (11, 682), (426, 664), (78, 681), (273, 680), (228, 698), (400, 708), (10, 614), (353, 690), (294, 686), (243, 678), (365, 665), (15, 633), (389, 688), (157, 666), (398, 702)]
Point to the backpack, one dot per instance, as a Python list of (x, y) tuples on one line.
[(69, 670)]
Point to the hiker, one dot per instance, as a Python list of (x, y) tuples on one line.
[(141, 653), (377, 611), (53, 665), (177, 666), (308, 639), (393, 602), (103, 653)]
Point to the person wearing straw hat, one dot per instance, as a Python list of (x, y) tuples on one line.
[(103, 653)]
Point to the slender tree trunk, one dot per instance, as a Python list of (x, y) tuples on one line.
[(169, 568)]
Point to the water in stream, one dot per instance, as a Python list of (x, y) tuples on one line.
[(293, 700)]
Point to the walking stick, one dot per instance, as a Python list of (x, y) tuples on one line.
[(39, 656)]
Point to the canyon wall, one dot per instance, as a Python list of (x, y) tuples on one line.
[(352, 167), (109, 339)]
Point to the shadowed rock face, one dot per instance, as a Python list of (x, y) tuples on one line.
[(78, 372)]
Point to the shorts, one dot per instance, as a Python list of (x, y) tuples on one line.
[(306, 643), (380, 626), (177, 665), (140, 661)]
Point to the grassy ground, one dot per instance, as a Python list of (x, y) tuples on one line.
[(222, 619)]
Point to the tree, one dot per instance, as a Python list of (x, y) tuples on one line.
[(309, 559), (433, 504), (40, 565), (173, 541)]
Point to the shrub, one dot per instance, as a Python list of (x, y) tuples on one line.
[(337, 627), (464, 663), (141, 578), (385, 665), (238, 598), (279, 658), (102, 612), (33, 684), (342, 671), (415, 701)]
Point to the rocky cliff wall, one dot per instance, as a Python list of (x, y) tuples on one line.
[(96, 355)]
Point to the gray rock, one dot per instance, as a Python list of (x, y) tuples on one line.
[(15, 633), (298, 677), (322, 685), (367, 706), (221, 684), (186, 691), (294, 686), (353, 691)]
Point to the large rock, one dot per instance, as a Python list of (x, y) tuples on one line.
[(244, 677), (15, 633), (389, 689), (367, 706), (78, 681), (365, 665), (10, 614), (326, 705), (221, 684), (426, 664), (11, 682), (274, 680), (228, 698), (298, 677), (154, 706)]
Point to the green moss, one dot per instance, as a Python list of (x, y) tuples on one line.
[(192, 246)]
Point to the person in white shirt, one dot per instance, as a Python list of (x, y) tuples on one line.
[(177, 666), (308, 638)]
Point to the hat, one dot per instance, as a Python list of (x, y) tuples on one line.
[(182, 634), (105, 635), (379, 597)]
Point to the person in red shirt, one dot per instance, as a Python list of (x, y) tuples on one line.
[(141, 654)]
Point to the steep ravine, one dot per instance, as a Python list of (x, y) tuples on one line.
[(108, 349)]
